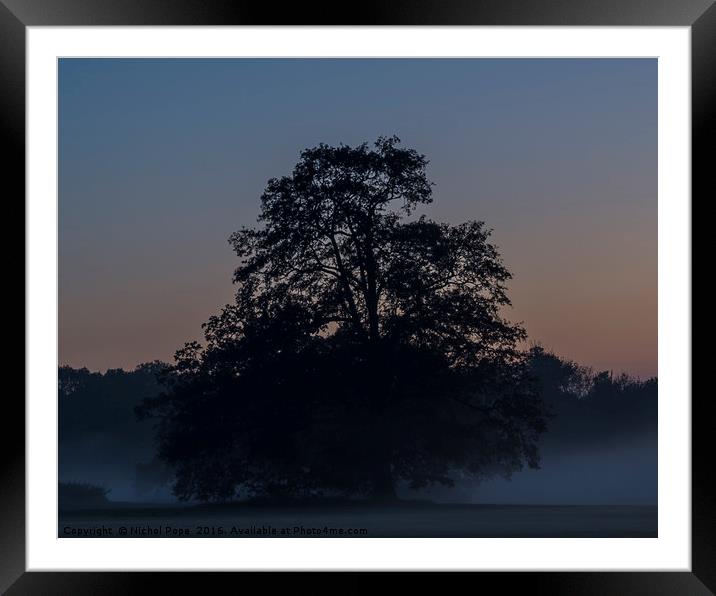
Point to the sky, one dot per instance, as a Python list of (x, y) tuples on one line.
[(160, 160)]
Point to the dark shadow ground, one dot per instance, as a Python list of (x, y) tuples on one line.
[(361, 519)]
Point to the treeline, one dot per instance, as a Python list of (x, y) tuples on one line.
[(592, 407), (98, 425), (97, 403), (100, 438)]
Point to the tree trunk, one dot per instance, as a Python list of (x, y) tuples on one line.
[(383, 485)]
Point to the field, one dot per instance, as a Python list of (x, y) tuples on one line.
[(349, 520)]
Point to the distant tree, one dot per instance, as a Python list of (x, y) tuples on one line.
[(365, 347), (93, 403), (99, 436), (556, 377), (588, 408)]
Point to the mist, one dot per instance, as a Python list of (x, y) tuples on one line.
[(600, 447)]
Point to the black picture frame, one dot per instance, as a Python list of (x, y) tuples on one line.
[(16, 15)]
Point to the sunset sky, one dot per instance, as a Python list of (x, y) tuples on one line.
[(161, 160)]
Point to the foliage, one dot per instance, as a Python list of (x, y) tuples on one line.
[(99, 437), (592, 408), (365, 347)]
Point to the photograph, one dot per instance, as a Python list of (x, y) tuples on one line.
[(373, 297), (405, 288)]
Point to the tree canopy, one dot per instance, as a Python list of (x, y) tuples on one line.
[(365, 348)]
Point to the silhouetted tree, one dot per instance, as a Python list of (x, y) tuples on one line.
[(591, 409), (93, 403), (365, 346), (100, 439)]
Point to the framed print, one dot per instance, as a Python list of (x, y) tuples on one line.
[(403, 291)]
